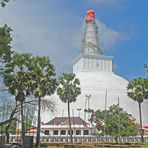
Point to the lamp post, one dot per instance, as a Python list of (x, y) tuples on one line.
[(79, 109), (88, 97)]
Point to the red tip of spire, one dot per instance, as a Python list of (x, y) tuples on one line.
[(90, 15)]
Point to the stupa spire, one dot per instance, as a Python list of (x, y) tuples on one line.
[(91, 42)]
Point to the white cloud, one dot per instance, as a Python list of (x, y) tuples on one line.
[(42, 34), (108, 37), (52, 35)]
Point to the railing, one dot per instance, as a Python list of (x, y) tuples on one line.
[(108, 139)]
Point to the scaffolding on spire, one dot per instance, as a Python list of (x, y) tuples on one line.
[(91, 41)]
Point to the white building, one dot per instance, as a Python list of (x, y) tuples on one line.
[(98, 80), (59, 127)]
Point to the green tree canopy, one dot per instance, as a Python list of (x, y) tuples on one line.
[(138, 91), (42, 77), (5, 41), (4, 2), (68, 90), (42, 82), (117, 122), (16, 75)]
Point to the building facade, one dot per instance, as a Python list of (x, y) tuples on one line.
[(59, 127)]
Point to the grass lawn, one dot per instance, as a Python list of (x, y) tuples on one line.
[(144, 145)]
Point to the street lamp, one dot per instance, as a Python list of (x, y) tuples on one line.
[(79, 109), (88, 97)]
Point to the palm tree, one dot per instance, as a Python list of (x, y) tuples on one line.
[(137, 90), (68, 90), (15, 78), (42, 83)]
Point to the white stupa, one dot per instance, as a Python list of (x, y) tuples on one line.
[(98, 81)]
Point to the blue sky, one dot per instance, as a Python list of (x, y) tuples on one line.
[(55, 28)]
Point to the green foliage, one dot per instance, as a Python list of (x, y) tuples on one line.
[(42, 82), (116, 121), (25, 75), (5, 40), (27, 122), (4, 2), (68, 88), (138, 89), (144, 145), (16, 75), (42, 79), (12, 128)]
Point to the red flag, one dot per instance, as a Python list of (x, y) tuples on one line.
[(146, 126), (85, 124)]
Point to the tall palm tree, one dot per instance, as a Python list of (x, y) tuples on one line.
[(42, 83), (68, 90), (15, 78), (137, 90)]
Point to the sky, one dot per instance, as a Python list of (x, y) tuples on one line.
[(55, 28)]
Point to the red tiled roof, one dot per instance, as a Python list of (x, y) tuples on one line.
[(60, 120)]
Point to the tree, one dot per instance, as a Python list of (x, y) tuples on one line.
[(5, 41), (42, 83), (68, 90), (11, 124), (16, 76), (117, 122), (4, 2), (138, 91), (7, 112)]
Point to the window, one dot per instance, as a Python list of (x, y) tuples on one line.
[(86, 132), (46, 132), (63, 132), (55, 132), (78, 132), (69, 132)]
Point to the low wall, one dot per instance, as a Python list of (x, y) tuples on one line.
[(53, 139)]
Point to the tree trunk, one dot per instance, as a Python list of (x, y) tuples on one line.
[(71, 140), (9, 123), (23, 126), (7, 132), (39, 124), (116, 139), (141, 131)]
